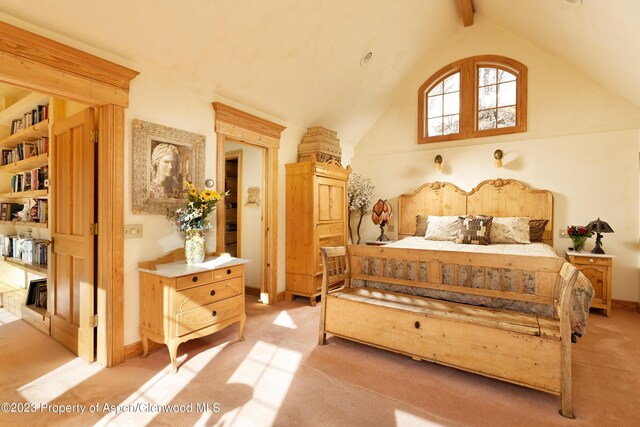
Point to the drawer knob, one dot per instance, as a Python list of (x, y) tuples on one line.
[(194, 279), (228, 271), (590, 259), (417, 325), (213, 292), (214, 313)]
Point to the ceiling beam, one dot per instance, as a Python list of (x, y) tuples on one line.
[(465, 7)]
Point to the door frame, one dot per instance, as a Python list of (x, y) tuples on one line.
[(236, 125), (37, 63)]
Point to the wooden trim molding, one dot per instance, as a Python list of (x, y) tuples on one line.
[(236, 125), (25, 55), (625, 305), (37, 63), (245, 121), (134, 350)]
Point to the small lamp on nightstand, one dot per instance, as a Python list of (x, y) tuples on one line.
[(381, 215), (598, 226)]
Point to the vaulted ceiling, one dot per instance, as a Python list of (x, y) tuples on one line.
[(300, 60)]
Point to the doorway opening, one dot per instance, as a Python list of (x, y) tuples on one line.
[(244, 211)]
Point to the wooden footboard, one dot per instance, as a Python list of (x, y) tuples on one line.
[(521, 348)]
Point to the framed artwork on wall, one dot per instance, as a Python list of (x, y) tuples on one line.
[(163, 159)]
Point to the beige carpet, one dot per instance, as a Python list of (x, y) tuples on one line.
[(279, 376)]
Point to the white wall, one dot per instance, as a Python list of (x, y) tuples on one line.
[(251, 217), (159, 97), (582, 143)]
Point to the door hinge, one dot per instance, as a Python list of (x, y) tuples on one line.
[(94, 136), (93, 228), (93, 321)]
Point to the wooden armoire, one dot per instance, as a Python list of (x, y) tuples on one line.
[(317, 214)]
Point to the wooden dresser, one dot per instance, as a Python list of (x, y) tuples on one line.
[(316, 216), (180, 302), (597, 268)]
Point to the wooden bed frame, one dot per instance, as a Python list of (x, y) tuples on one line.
[(521, 348), (497, 197)]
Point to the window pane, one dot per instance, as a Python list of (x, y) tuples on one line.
[(486, 76), (437, 90), (452, 103), (506, 117), (506, 94), (505, 76), (434, 107), (452, 83), (435, 127), (486, 97), (486, 119), (451, 124)]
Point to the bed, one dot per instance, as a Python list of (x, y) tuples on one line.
[(521, 301)]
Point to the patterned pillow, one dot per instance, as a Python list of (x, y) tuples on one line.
[(421, 226), (442, 228), (536, 229), (474, 230), (510, 230)]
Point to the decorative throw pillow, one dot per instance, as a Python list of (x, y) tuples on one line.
[(421, 226), (536, 229), (442, 228), (510, 230), (474, 230)]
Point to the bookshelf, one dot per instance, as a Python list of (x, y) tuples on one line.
[(231, 234), (25, 153)]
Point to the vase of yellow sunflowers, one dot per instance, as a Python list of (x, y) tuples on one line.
[(193, 219)]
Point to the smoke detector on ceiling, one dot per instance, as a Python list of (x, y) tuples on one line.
[(366, 58), (575, 2)]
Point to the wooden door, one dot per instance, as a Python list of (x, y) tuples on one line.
[(71, 278)]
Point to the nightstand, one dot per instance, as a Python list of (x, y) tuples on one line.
[(378, 243), (597, 268)]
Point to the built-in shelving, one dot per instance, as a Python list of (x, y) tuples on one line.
[(26, 164), (34, 194), (34, 132), (38, 268), (26, 224)]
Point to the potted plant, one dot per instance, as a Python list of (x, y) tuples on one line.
[(579, 236), (360, 192)]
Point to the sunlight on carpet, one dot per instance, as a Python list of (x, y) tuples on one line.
[(161, 389), (269, 370), (7, 317), (405, 419), (59, 381), (283, 319)]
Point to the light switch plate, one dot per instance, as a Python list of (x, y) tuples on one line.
[(133, 231), (390, 228)]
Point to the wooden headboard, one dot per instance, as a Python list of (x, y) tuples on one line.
[(496, 197)]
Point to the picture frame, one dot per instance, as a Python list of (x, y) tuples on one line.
[(163, 159)]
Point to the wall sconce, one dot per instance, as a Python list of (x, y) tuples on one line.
[(498, 156), (437, 163)]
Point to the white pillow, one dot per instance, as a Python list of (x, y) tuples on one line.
[(442, 228), (510, 230)]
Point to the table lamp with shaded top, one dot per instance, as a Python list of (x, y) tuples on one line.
[(598, 226), (381, 215)]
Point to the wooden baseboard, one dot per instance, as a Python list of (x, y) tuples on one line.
[(625, 305), (135, 349), (252, 291), (280, 296)]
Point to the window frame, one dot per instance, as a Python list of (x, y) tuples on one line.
[(469, 71)]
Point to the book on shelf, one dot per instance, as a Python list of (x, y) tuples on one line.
[(32, 293), (8, 210)]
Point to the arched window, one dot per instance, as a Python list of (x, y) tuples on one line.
[(474, 97)]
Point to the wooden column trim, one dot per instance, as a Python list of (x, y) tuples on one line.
[(234, 124)]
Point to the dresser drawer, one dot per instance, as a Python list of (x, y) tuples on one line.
[(580, 261), (191, 298), (192, 280), (223, 273), (209, 314)]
